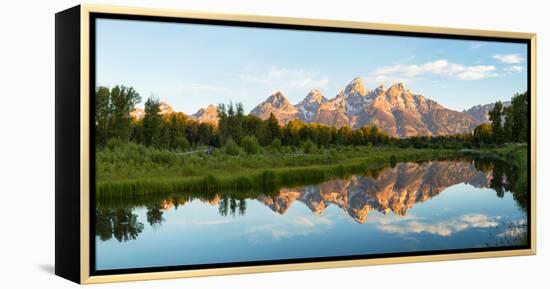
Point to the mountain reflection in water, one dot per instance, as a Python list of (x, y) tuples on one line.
[(392, 190)]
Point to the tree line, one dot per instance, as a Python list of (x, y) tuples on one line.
[(235, 130), (507, 124), (177, 131), (511, 124), (235, 126), (172, 131)]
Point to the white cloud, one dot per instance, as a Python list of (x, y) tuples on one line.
[(442, 67), (477, 72), (512, 233), (290, 78), (514, 230), (514, 68), (509, 58), (443, 228)]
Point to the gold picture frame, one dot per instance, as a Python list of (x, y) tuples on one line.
[(78, 50)]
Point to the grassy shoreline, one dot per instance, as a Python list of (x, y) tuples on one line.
[(171, 173)]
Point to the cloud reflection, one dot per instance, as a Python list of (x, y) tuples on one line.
[(290, 227), (444, 228)]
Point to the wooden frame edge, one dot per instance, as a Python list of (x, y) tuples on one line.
[(298, 266), (302, 21), (86, 278), (533, 140), (84, 144)]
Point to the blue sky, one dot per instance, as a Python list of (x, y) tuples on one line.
[(191, 65)]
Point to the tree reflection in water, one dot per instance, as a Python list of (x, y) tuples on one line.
[(122, 224), (232, 205), (154, 215), (506, 178), (396, 189)]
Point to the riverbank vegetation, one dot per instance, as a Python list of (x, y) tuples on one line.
[(159, 153), (177, 131), (136, 169)]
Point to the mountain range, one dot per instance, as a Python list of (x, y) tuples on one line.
[(395, 110), (164, 107), (481, 112), (395, 190)]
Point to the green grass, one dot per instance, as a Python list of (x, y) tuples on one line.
[(132, 170), (506, 152)]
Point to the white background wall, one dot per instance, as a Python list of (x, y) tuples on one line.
[(27, 143)]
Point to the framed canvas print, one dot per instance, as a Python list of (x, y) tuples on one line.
[(193, 144)]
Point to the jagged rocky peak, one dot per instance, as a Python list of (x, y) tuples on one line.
[(278, 99), (208, 114), (309, 106), (165, 108), (394, 190), (209, 109), (278, 105), (394, 110), (396, 89), (354, 97), (356, 86), (314, 96), (380, 89), (402, 98), (139, 113), (481, 112)]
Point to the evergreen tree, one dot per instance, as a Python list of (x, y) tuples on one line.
[(507, 126), (518, 117), (205, 134), (175, 129), (164, 141), (273, 130), (222, 123), (324, 136), (495, 115), (231, 122), (240, 109), (152, 122)]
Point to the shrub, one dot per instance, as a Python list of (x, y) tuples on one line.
[(276, 145), (310, 147), (114, 143), (250, 145), (181, 143), (162, 157), (231, 148), (287, 150)]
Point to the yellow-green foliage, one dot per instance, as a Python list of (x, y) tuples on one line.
[(132, 169)]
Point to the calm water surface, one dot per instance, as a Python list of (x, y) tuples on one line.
[(409, 207)]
